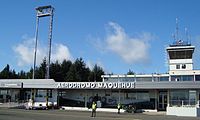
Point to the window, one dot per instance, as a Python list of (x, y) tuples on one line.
[(177, 66), (40, 93), (44, 93), (183, 66), (177, 96), (192, 97), (143, 95), (182, 78), (164, 78), (3, 92), (143, 79), (197, 77), (49, 93), (187, 78), (183, 54)]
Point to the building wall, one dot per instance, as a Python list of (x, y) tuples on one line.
[(108, 98)]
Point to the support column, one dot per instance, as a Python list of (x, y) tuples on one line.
[(58, 98), (33, 96), (156, 100), (197, 95), (168, 100), (86, 97), (47, 98), (35, 50), (119, 97)]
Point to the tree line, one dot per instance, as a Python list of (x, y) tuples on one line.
[(66, 71)]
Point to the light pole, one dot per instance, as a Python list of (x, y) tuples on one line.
[(43, 11), (35, 49)]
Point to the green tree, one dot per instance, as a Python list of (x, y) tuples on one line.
[(22, 75), (40, 71), (7, 73), (95, 74), (55, 72), (60, 72), (65, 66), (13, 75), (78, 71), (130, 72), (71, 75), (29, 74), (82, 72)]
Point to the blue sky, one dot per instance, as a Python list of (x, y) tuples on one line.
[(116, 34)]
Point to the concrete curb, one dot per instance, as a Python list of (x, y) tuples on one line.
[(86, 109)]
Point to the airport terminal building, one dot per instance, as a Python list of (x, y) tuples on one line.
[(178, 88)]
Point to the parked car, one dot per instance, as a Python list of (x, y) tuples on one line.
[(135, 107)]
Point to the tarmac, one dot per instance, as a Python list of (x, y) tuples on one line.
[(21, 114)]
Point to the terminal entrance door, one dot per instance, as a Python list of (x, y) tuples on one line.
[(162, 101)]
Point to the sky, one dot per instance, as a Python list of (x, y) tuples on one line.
[(117, 35)]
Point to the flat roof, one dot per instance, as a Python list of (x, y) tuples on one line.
[(180, 47), (51, 84)]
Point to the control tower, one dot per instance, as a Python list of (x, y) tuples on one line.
[(180, 56)]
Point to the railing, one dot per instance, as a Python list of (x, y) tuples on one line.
[(184, 103)]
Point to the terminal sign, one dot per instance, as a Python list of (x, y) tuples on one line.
[(96, 85)]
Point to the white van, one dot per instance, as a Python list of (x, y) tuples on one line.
[(39, 105)]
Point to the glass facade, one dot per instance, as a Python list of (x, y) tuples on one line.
[(43, 93), (138, 79), (182, 78), (141, 99), (119, 79), (197, 77), (153, 78), (9, 95), (144, 79), (185, 54), (182, 98), (164, 78)]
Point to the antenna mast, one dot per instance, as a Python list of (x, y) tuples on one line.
[(177, 38), (186, 34)]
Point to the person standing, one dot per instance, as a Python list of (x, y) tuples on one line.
[(119, 107), (94, 107)]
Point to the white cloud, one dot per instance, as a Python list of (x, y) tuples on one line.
[(25, 51), (91, 64), (130, 49), (61, 52), (97, 43), (23, 54)]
